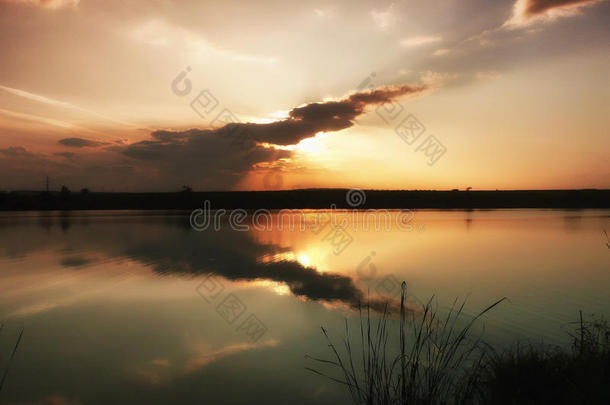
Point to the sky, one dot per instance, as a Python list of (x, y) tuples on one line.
[(154, 95)]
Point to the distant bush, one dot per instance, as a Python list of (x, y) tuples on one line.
[(550, 375)]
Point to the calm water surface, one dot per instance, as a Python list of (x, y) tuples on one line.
[(132, 307)]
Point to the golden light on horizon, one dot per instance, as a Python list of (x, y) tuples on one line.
[(129, 73)]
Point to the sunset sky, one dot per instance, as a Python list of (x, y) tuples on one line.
[(325, 94)]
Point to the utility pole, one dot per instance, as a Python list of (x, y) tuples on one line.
[(47, 184)]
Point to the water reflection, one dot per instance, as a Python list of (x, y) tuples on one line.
[(111, 312), (169, 246)]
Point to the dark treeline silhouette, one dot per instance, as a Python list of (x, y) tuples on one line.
[(309, 198)]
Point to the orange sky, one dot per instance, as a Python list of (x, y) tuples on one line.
[(412, 95)]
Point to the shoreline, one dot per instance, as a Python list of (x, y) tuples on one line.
[(317, 199)]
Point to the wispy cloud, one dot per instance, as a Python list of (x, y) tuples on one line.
[(420, 40), (159, 370), (324, 12), (160, 33), (203, 359), (385, 19), (528, 12), (57, 103), (441, 52), (50, 4), (435, 80), (488, 75), (38, 119)]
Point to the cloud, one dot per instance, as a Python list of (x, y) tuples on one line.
[(488, 75), (212, 158), (80, 143), (203, 359), (67, 155), (178, 253), (420, 40), (38, 119), (159, 33), (441, 52), (160, 370), (76, 261), (323, 12), (16, 151), (385, 19), (57, 103), (50, 4), (436, 79), (227, 153), (234, 256), (527, 12)]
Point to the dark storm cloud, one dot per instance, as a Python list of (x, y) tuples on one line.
[(302, 122), (202, 158), (80, 143), (223, 155)]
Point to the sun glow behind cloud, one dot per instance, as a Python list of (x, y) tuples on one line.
[(313, 145), (113, 66)]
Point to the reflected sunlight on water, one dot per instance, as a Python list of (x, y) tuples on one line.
[(110, 305)]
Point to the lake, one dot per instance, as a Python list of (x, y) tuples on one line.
[(138, 307)]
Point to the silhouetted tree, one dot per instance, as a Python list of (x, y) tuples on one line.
[(186, 189), (65, 191), (84, 191)]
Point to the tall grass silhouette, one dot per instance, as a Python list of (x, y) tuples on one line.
[(12, 355), (439, 359)]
